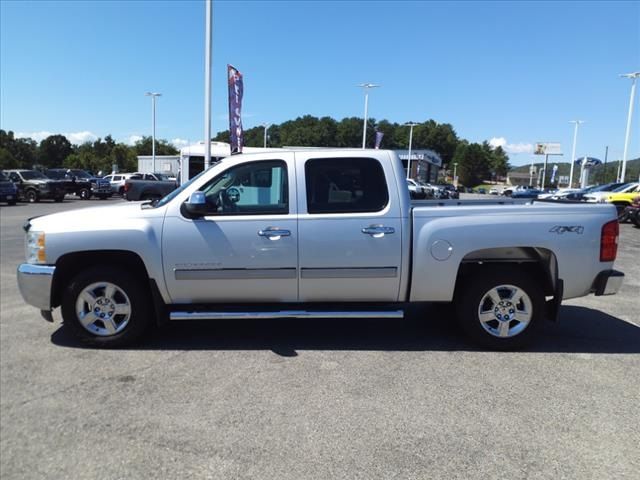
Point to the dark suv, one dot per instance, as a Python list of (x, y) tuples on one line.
[(79, 183), (34, 186)]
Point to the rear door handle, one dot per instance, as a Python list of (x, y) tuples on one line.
[(274, 233), (378, 231)]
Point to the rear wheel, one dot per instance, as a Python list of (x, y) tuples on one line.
[(84, 194), (106, 307), (32, 196), (501, 308)]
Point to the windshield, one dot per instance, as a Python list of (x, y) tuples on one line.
[(33, 175), (621, 187), (166, 199)]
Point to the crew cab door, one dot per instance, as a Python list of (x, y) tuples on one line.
[(246, 249), (350, 228)]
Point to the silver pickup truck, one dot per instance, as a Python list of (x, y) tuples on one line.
[(315, 234)]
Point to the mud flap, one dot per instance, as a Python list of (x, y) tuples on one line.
[(552, 307)]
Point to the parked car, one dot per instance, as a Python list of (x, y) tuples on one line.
[(314, 234), (623, 199), (148, 186), (632, 212), (601, 196), (72, 186), (416, 191), (8, 190), (527, 193), (494, 191), (451, 191), (100, 187), (117, 180), (34, 186)]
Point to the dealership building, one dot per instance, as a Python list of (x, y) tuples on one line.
[(425, 164)]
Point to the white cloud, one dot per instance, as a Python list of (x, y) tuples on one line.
[(76, 138), (133, 139), (179, 142), (511, 147), (37, 136)]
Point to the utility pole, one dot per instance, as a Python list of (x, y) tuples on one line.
[(207, 82), (410, 125)]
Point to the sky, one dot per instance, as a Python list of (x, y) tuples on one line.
[(513, 73)]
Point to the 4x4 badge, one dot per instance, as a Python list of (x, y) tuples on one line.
[(560, 229)]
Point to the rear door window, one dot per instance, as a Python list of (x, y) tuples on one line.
[(345, 185)]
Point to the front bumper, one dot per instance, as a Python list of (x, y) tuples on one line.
[(34, 282), (608, 282)]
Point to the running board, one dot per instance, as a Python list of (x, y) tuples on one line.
[(284, 314)]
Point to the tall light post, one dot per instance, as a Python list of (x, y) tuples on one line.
[(410, 125), (455, 170), (366, 87), (153, 96), (266, 127), (207, 82), (633, 76), (573, 152)]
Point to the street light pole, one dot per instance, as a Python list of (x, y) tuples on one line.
[(633, 76), (207, 83), (573, 152), (153, 122), (366, 87), (410, 125), (266, 127), (455, 169)]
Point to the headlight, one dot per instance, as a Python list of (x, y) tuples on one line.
[(35, 248)]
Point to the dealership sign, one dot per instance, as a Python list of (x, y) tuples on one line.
[(547, 148)]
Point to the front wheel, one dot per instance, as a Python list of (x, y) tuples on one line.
[(501, 308), (84, 194), (106, 307)]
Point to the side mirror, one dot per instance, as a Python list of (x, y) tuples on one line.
[(196, 206)]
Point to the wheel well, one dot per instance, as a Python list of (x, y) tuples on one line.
[(68, 266), (539, 263)]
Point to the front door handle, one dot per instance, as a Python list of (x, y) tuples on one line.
[(274, 233), (378, 231)]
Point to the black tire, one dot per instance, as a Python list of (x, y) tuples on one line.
[(635, 218), (59, 199), (84, 194), (475, 289), (139, 303), (121, 191), (31, 196), (11, 203)]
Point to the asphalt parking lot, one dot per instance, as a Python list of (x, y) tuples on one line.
[(326, 399)]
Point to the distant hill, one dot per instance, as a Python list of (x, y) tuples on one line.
[(597, 172)]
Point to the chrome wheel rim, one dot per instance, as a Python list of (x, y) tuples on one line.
[(505, 311), (103, 309)]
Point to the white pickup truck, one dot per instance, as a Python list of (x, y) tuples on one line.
[(315, 234)]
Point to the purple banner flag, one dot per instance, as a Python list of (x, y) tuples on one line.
[(379, 136), (236, 89)]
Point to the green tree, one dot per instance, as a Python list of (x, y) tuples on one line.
[(163, 147), (54, 150), (473, 163), (349, 132)]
